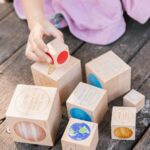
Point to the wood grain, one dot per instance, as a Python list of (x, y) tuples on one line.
[(144, 143), (13, 34), (5, 9)]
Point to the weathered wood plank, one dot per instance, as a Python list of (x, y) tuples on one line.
[(144, 142), (13, 34), (5, 9)]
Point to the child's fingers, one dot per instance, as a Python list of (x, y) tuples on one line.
[(42, 56), (33, 57), (30, 55), (38, 39), (39, 53)]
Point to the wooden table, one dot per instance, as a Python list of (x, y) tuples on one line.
[(133, 47)]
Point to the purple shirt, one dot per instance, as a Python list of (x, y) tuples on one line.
[(94, 21)]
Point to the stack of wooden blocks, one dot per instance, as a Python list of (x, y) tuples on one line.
[(34, 113)]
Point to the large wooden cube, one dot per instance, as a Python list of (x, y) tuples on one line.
[(80, 135), (34, 114), (87, 103), (65, 78), (59, 52), (134, 99), (110, 72), (123, 123)]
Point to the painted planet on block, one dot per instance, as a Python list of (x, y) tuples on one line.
[(123, 132), (80, 114), (62, 57), (29, 131), (79, 131), (93, 80)]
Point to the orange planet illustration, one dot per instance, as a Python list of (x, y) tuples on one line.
[(29, 131), (123, 132)]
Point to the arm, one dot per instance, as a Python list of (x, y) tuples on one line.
[(34, 11), (39, 27)]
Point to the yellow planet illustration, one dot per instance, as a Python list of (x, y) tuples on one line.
[(123, 132)]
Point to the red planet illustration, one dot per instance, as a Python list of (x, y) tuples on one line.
[(62, 57)]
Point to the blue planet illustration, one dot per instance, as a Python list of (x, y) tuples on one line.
[(92, 79), (80, 114), (79, 131)]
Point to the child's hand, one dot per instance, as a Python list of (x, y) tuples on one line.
[(36, 48)]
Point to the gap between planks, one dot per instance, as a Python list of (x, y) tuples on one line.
[(10, 60), (8, 6)]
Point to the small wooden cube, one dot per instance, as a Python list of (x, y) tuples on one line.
[(59, 52), (110, 72), (80, 135), (123, 123), (134, 99), (65, 78), (34, 115), (87, 103)]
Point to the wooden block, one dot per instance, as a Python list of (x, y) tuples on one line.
[(87, 103), (34, 114), (134, 99), (59, 52), (80, 135), (123, 123), (110, 72), (64, 78)]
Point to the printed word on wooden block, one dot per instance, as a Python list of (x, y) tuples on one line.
[(110, 72), (123, 123), (34, 114), (87, 103), (58, 51), (64, 78), (80, 135), (134, 99)]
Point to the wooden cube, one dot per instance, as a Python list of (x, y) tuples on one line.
[(134, 99), (87, 103), (123, 123), (110, 72), (80, 135), (59, 52), (34, 114), (65, 78)]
